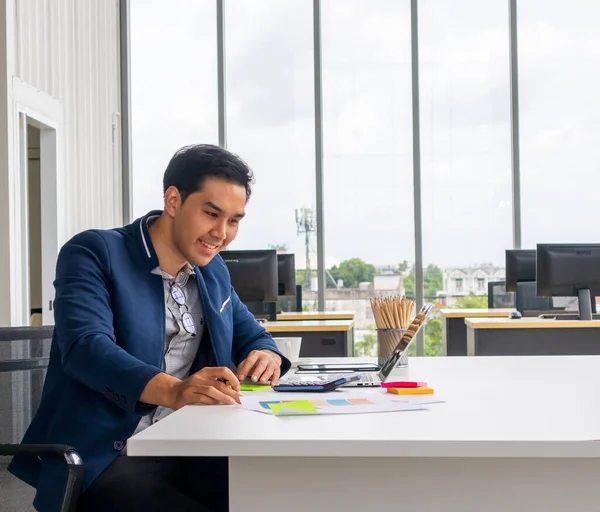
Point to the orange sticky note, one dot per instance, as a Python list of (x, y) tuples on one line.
[(411, 391)]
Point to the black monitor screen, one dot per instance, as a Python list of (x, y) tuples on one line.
[(498, 297), (286, 271), (253, 274), (564, 269), (520, 267), (570, 270)]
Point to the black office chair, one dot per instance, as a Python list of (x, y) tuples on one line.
[(498, 297), (24, 358)]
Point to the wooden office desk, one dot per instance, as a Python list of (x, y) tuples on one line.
[(532, 336), (454, 331), (507, 438), (320, 338), (316, 315)]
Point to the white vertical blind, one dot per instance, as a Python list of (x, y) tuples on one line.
[(69, 49)]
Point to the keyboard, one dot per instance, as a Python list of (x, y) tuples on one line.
[(364, 376), (567, 316)]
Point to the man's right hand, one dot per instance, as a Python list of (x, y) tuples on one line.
[(209, 386)]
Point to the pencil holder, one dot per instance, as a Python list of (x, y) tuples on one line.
[(387, 340)]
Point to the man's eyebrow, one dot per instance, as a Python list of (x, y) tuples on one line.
[(212, 205)]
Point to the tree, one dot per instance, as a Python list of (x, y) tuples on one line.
[(433, 282), (409, 284), (472, 301), (368, 346), (352, 272), (403, 267), (432, 339), (300, 276)]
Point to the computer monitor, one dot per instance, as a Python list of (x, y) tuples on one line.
[(570, 270), (528, 303), (520, 267), (498, 297), (254, 279), (286, 272)]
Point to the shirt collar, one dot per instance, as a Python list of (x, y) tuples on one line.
[(187, 270), (151, 257)]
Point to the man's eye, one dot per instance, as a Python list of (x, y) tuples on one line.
[(212, 214), (234, 221)]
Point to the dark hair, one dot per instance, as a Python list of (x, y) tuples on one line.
[(191, 165)]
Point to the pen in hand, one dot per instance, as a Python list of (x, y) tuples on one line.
[(229, 384)]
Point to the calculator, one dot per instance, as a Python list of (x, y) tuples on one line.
[(318, 386)]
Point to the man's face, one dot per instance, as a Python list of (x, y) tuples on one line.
[(208, 220)]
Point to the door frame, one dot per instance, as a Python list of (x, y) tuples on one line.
[(31, 106)]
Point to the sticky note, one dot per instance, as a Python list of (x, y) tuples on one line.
[(254, 387), (404, 384), (297, 405), (411, 391)]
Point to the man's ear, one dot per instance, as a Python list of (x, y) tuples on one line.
[(172, 200)]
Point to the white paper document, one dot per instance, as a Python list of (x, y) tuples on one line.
[(300, 404)]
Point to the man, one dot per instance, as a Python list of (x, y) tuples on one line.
[(146, 323)]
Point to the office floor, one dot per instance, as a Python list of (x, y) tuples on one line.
[(15, 496)]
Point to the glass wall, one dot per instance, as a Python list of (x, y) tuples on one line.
[(368, 177), (465, 106), (559, 79), (465, 152), (173, 88), (270, 118)]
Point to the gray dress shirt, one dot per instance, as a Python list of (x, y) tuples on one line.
[(180, 347)]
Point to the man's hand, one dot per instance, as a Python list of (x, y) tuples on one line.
[(263, 365), (209, 386)]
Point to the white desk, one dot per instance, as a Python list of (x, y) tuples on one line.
[(508, 438)]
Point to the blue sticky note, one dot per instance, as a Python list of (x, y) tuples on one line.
[(338, 402)]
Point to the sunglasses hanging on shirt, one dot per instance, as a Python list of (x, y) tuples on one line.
[(186, 317)]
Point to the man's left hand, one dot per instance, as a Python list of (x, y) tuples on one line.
[(261, 365)]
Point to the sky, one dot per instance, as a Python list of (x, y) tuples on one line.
[(367, 120)]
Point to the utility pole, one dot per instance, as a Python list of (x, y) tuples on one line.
[(306, 223)]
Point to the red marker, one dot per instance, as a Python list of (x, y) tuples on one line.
[(404, 384)]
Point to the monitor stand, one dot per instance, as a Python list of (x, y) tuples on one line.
[(585, 309), (585, 304)]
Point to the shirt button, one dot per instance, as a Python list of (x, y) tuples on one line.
[(118, 445)]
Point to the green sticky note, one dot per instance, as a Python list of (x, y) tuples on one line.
[(254, 387), (297, 405)]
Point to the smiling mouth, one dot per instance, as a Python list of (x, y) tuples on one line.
[(209, 246)]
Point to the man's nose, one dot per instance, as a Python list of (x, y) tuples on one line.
[(219, 230)]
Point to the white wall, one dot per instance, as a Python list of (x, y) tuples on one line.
[(6, 152), (69, 51)]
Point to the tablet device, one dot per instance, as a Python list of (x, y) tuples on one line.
[(337, 367)]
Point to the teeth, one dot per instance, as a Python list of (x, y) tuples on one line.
[(208, 245)]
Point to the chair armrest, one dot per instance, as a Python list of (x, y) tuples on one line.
[(72, 459), (70, 455)]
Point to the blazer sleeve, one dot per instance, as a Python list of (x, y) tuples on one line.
[(249, 335), (84, 326)]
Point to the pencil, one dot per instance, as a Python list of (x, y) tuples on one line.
[(392, 312)]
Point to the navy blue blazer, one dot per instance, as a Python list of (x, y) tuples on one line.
[(109, 341)]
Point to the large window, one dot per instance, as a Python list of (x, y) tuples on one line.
[(559, 79), (368, 185), (270, 118), (173, 88), (465, 134), (465, 146)]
